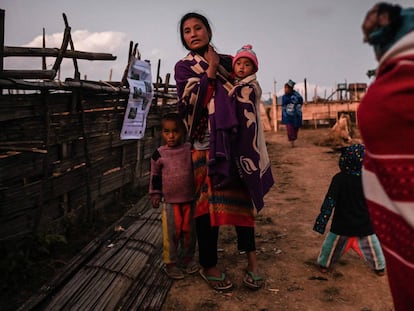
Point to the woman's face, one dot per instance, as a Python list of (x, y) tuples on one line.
[(370, 23), (195, 33)]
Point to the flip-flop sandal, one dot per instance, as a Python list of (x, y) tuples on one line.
[(252, 280), (214, 281)]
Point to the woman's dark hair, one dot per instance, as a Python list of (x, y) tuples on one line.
[(394, 16), (198, 16), (175, 117)]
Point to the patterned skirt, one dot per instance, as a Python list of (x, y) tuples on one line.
[(231, 206)]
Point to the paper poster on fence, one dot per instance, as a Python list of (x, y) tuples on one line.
[(139, 101)]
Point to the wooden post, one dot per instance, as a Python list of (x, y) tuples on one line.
[(274, 105), (44, 46), (63, 47), (167, 82), (157, 80), (306, 91), (1, 42), (1, 38), (75, 62), (124, 80)]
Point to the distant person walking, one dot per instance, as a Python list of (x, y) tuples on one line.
[(386, 119), (351, 224), (292, 103), (172, 186)]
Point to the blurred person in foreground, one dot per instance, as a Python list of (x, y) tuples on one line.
[(386, 121)]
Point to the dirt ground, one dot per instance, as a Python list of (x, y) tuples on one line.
[(287, 247)]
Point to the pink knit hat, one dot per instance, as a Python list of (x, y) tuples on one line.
[(246, 51)]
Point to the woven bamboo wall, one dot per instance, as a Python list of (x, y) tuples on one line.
[(61, 157)]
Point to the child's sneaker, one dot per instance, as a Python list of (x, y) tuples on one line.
[(380, 272), (173, 272), (191, 267)]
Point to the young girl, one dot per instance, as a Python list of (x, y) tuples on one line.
[(172, 179), (351, 223), (252, 163)]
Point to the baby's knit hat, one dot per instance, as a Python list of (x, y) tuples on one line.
[(246, 51)]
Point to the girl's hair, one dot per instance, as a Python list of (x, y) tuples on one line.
[(198, 16), (175, 117)]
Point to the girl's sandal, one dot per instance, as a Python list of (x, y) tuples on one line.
[(252, 281), (218, 283), (192, 267), (173, 272)]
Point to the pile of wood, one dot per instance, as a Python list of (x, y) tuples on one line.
[(120, 270)]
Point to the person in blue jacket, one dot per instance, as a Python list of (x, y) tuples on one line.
[(292, 103)]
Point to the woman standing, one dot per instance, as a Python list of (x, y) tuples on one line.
[(386, 118), (203, 85)]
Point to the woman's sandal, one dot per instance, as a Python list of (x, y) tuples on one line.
[(217, 283), (252, 281)]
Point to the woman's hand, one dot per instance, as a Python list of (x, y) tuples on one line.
[(213, 60)]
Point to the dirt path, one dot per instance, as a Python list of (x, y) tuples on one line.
[(287, 246)]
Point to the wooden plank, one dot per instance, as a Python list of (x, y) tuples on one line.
[(28, 74), (69, 85), (115, 180), (30, 129), (16, 51), (18, 165)]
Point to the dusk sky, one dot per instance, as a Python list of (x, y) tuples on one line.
[(320, 40)]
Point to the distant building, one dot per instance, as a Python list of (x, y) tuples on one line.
[(357, 90)]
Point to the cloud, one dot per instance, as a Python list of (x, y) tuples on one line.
[(83, 40), (111, 42), (115, 43)]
